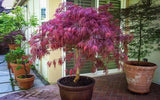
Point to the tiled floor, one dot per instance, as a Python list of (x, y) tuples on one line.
[(5, 83), (111, 87)]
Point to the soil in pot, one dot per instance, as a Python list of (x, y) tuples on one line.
[(82, 90), (139, 76), (83, 81), (25, 82)]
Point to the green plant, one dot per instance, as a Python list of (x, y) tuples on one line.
[(15, 56), (6, 25), (15, 22), (18, 56), (138, 19)]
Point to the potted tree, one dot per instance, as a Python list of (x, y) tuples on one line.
[(138, 18), (89, 32)]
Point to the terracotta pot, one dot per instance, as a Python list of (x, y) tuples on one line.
[(25, 83), (139, 77), (76, 93), (13, 46), (21, 71), (9, 66)]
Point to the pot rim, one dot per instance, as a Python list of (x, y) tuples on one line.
[(152, 65), (78, 87), (21, 79)]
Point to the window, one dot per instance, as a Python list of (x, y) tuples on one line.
[(43, 13), (96, 3), (43, 10)]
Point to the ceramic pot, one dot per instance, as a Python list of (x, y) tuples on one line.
[(139, 77), (20, 71), (78, 92), (25, 83)]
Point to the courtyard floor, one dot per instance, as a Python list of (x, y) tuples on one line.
[(5, 83), (111, 87)]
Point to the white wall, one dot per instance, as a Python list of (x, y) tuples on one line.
[(33, 8), (155, 58)]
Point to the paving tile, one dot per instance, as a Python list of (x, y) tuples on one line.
[(4, 73), (6, 87), (5, 78), (3, 68), (38, 83)]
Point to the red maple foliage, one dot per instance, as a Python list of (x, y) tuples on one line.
[(91, 32)]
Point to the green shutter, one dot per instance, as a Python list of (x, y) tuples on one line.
[(92, 3), (115, 12)]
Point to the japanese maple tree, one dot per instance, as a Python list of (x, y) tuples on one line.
[(90, 32)]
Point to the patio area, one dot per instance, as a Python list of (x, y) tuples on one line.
[(5, 83), (111, 87)]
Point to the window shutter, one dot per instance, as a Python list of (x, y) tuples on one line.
[(92, 3), (115, 11), (83, 3)]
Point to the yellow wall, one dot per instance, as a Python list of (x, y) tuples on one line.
[(53, 74)]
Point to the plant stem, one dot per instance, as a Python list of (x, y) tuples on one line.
[(77, 72), (25, 69), (11, 79), (77, 76), (140, 40)]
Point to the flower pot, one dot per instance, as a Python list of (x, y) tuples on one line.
[(25, 83), (139, 77), (20, 71), (69, 92), (13, 46)]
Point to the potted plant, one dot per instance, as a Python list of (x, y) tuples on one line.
[(4, 24), (13, 26), (21, 67), (14, 39), (89, 32), (138, 18), (15, 57)]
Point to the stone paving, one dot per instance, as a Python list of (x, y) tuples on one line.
[(5, 83), (111, 87)]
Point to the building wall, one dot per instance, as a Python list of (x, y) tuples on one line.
[(32, 7), (53, 73)]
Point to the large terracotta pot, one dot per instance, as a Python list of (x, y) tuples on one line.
[(20, 71), (139, 77), (13, 46), (76, 93), (25, 83)]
